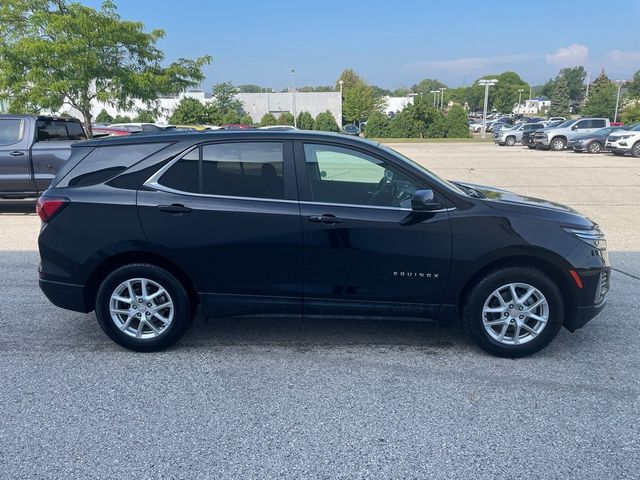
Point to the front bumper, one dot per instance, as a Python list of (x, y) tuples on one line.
[(65, 295), (583, 315)]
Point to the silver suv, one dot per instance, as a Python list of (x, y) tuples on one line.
[(509, 136), (557, 138)]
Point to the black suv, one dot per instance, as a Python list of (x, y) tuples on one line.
[(144, 229)]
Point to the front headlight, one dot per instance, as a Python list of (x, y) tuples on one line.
[(592, 236), (621, 137)]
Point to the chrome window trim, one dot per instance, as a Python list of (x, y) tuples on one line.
[(163, 188)]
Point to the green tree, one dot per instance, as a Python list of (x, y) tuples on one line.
[(325, 122), (457, 123), (631, 112), (547, 89), (400, 92), (122, 119), (377, 126), (405, 125), (224, 95), (231, 117), (145, 116), (560, 98), (427, 85), (250, 88), (437, 125), (305, 121), (602, 99), (350, 79), (189, 111), (575, 81), (268, 119), (503, 96), (286, 118), (633, 89), (359, 102), (104, 117), (61, 52), (246, 119)]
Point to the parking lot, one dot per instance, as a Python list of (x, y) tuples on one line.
[(290, 398)]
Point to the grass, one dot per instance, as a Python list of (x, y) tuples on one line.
[(434, 140)]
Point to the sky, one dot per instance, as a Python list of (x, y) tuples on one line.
[(393, 44)]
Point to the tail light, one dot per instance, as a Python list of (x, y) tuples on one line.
[(49, 207)]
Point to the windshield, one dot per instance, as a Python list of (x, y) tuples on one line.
[(425, 170), (635, 128)]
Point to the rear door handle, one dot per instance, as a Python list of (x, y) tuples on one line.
[(326, 219), (174, 208), (16, 153)]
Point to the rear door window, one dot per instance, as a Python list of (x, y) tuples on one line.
[(75, 131), (597, 123), (11, 131)]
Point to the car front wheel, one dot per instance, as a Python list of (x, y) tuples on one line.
[(558, 144), (513, 312), (594, 147), (510, 141), (143, 307), (635, 150)]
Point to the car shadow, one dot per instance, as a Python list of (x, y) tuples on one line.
[(18, 206)]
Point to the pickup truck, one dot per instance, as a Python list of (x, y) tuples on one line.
[(32, 150), (557, 138)]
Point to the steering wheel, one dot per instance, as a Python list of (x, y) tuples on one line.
[(385, 194)]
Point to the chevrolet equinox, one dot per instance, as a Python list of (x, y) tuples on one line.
[(146, 229)]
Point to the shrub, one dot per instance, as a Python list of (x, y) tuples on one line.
[(268, 119), (325, 122), (377, 126), (305, 121), (457, 124), (286, 118), (405, 125)]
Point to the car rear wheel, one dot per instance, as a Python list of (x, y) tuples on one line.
[(513, 312), (510, 141), (558, 143), (635, 150), (594, 147), (143, 307)]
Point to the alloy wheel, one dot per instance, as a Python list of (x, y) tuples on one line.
[(595, 147), (515, 313), (141, 308)]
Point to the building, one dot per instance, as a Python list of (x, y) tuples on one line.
[(259, 104), (536, 105), (395, 105)]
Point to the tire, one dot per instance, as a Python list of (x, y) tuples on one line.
[(510, 141), (482, 296), (594, 147), (155, 334), (557, 144), (635, 150)]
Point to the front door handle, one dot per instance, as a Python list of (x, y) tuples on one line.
[(327, 219), (173, 208), (16, 153)]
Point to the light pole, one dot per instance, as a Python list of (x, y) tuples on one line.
[(615, 115), (435, 93), (486, 84), (293, 103), (586, 95), (520, 101), (341, 82), (442, 89)]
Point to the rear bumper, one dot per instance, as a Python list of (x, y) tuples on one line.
[(65, 295)]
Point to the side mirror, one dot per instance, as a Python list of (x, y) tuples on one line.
[(424, 201), (574, 127)]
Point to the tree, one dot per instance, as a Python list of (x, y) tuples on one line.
[(104, 117), (305, 121), (250, 88), (224, 95), (231, 118), (405, 125), (350, 79), (631, 112), (268, 119), (286, 118), (359, 102), (121, 119), (633, 89), (547, 89), (437, 126), (325, 122), (427, 85), (502, 96), (575, 80), (145, 116), (560, 98), (602, 98), (190, 111), (246, 119), (377, 126), (60, 52), (457, 123), (400, 92)]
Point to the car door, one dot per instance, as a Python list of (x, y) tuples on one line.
[(228, 213), (364, 251), (15, 167)]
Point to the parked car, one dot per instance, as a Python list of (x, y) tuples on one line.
[(528, 136), (236, 126), (625, 141), (556, 138), (32, 149), (143, 229), (278, 127), (101, 132), (510, 136), (142, 127), (594, 142), (351, 130)]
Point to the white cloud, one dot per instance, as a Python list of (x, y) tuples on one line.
[(570, 56), (619, 56), (470, 63)]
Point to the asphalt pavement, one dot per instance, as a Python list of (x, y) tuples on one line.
[(289, 398)]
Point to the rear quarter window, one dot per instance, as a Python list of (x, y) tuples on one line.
[(107, 161)]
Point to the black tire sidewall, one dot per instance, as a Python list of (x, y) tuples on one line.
[(472, 310), (553, 143), (182, 316)]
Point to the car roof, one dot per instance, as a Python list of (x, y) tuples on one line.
[(42, 117), (212, 135)]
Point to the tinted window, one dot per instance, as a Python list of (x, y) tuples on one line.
[(75, 131), (597, 123), (10, 131), (107, 161), (340, 175), (51, 130), (230, 169), (582, 124)]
